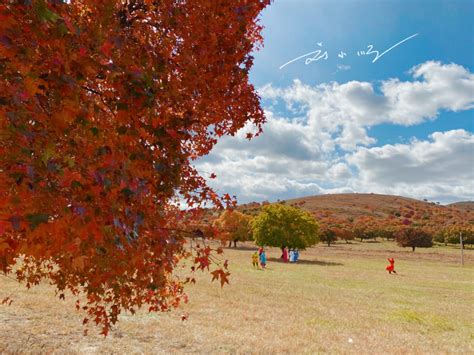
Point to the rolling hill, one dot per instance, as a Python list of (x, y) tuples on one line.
[(463, 205), (355, 205)]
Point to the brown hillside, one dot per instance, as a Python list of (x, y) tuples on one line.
[(463, 205), (356, 205)]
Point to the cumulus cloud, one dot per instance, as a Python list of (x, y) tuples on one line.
[(320, 142), (279, 163), (341, 113), (442, 166)]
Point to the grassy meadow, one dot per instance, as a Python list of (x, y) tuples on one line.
[(336, 299)]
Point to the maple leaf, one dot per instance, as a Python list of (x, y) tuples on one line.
[(221, 275)]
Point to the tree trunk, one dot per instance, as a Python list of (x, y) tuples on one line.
[(329, 243), (235, 244), (413, 248), (230, 243)]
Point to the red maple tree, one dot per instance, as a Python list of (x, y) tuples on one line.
[(103, 107)]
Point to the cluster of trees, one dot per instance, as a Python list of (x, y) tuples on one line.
[(452, 234), (276, 225), (283, 225)]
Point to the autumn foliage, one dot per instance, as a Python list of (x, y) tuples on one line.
[(414, 237), (103, 107), (233, 226)]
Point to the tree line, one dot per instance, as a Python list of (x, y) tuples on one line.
[(280, 225)]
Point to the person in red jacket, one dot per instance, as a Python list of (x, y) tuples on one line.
[(391, 268)]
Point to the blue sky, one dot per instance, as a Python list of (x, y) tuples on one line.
[(402, 125), (294, 27)]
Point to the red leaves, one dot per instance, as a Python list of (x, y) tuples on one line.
[(106, 49), (3, 227), (83, 51), (172, 133), (97, 146), (203, 262), (78, 263)]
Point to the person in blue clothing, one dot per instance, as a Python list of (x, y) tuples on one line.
[(263, 258), (296, 255)]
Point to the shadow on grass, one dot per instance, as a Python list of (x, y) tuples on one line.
[(242, 247), (307, 262)]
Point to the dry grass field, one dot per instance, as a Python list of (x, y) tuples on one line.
[(337, 299)]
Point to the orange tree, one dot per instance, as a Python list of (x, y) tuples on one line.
[(330, 230), (103, 107), (233, 226)]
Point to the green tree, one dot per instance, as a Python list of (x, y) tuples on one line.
[(285, 226)]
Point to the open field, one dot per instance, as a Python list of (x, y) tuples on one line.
[(336, 299)]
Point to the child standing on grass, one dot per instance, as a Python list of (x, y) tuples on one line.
[(391, 268), (263, 259), (255, 260)]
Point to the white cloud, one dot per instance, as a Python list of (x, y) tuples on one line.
[(448, 87), (343, 112), (303, 156), (441, 166), (342, 67)]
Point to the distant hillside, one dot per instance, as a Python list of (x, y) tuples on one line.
[(356, 205), (352, 206), (464, 205)]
